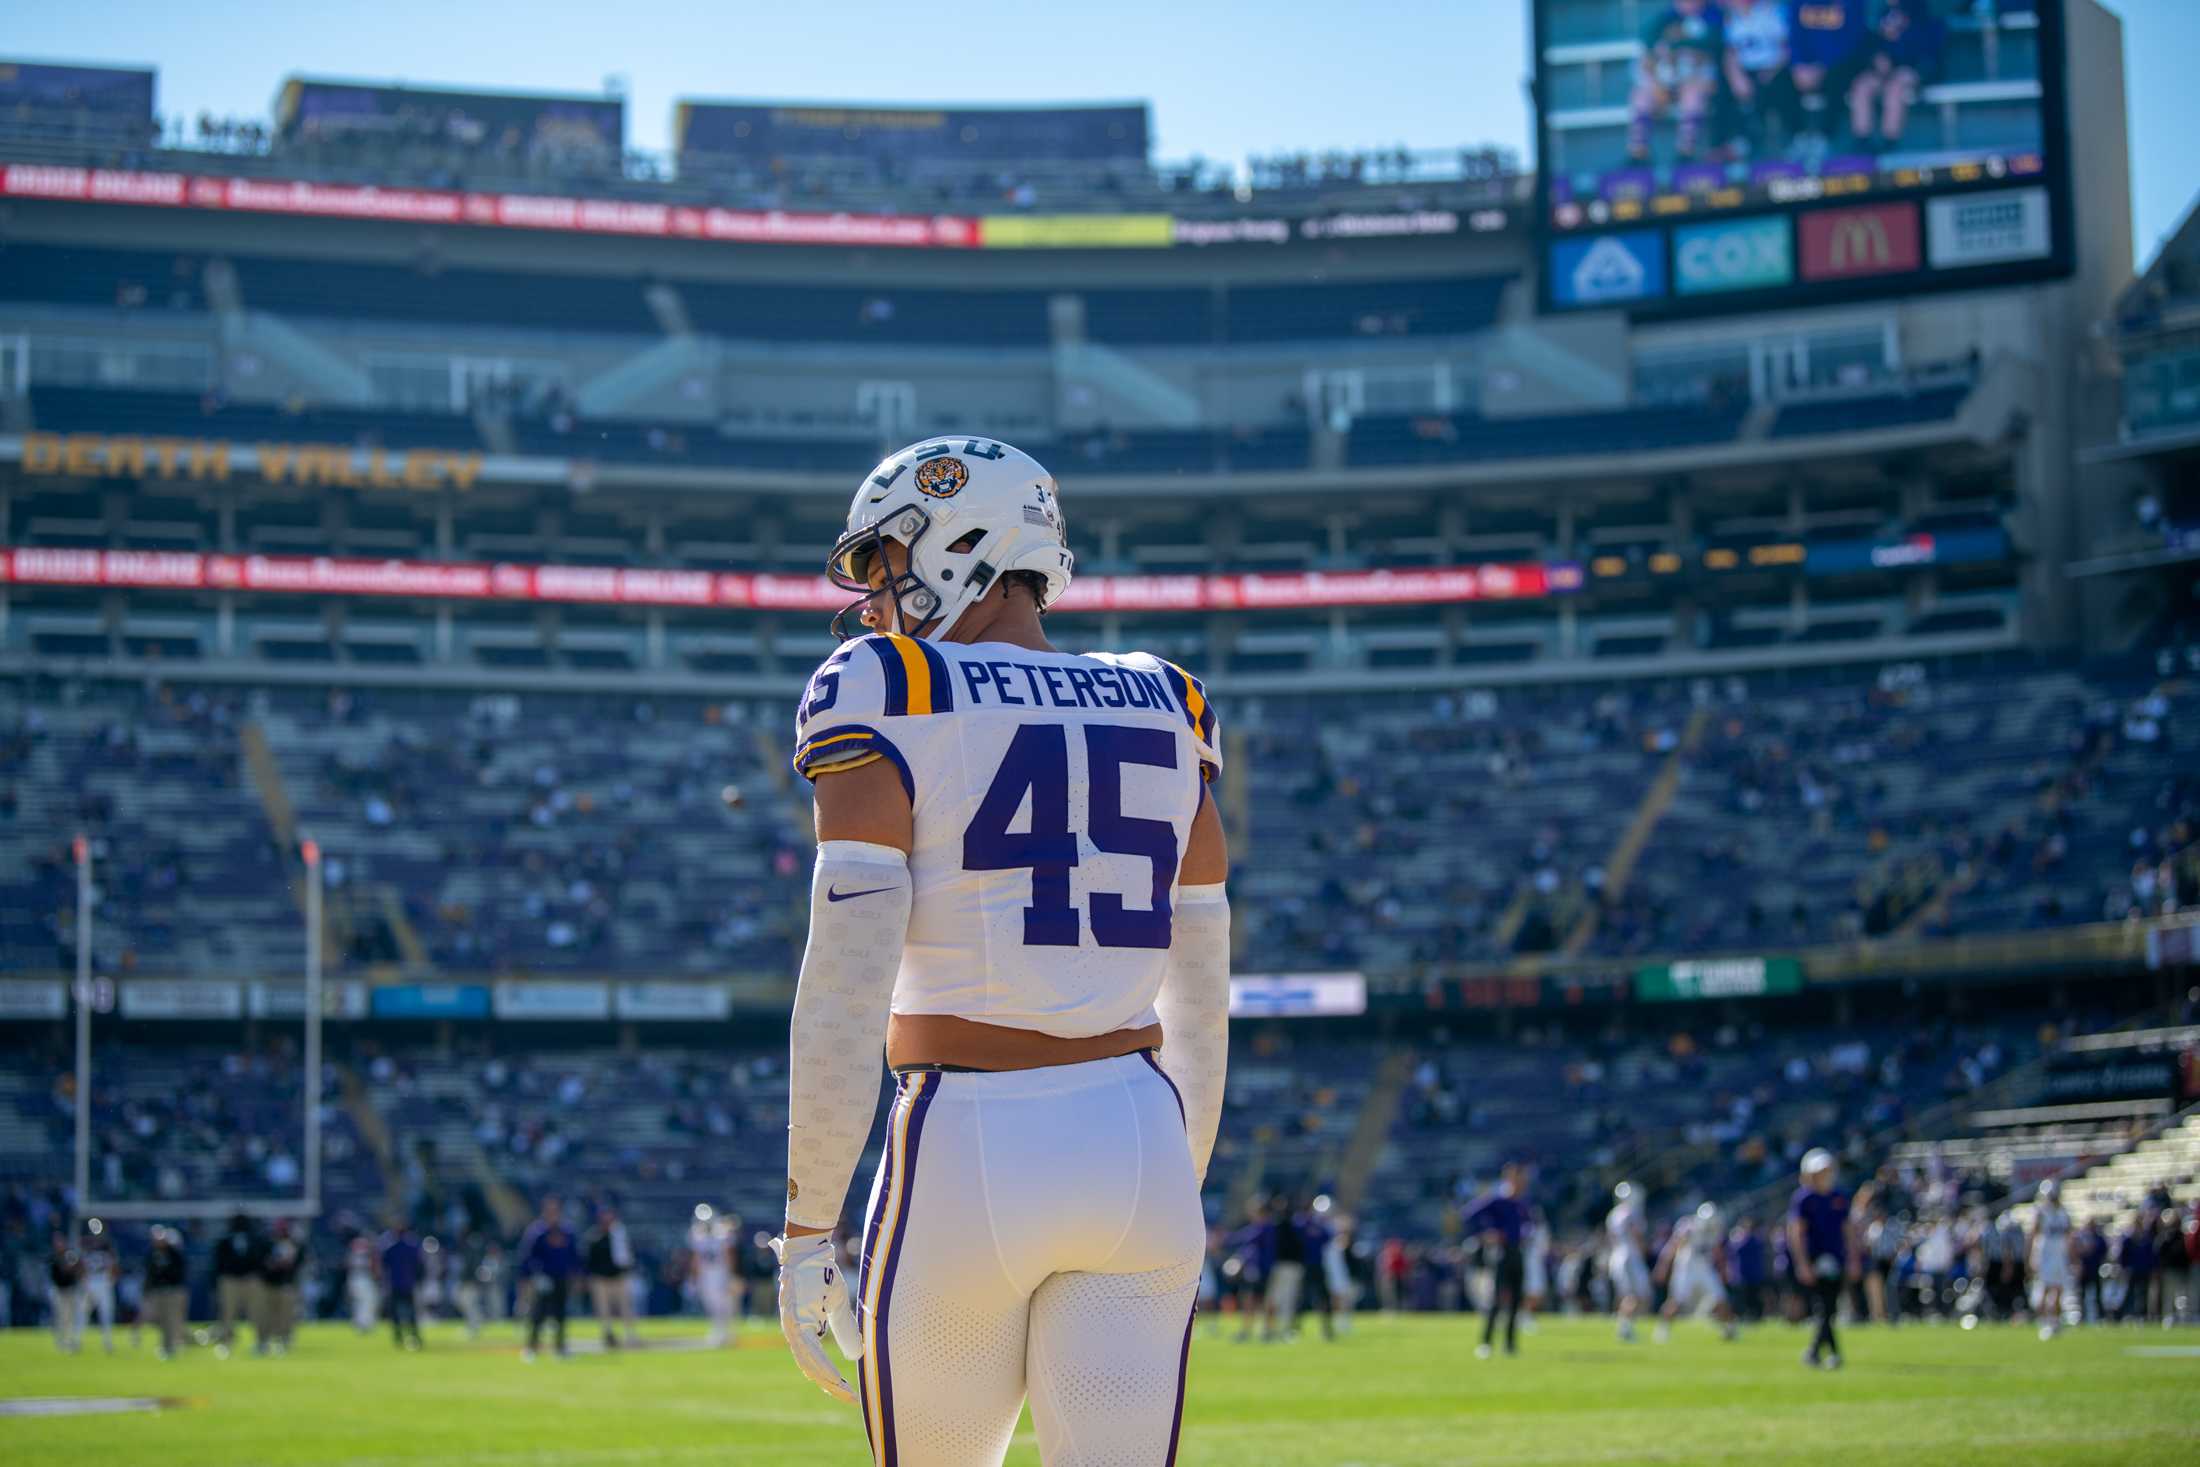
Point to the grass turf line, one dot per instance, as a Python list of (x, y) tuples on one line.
[(1398, 1393)]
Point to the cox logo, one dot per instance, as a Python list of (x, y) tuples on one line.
[(1748, 255)]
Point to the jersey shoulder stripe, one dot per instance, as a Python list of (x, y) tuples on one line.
[(916, 676)]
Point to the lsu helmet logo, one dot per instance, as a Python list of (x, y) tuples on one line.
[(942, 478)]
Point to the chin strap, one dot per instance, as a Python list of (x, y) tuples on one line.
[(1194, 1007), (836, 1041)]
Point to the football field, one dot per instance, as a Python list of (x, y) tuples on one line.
[(1397, 1393)]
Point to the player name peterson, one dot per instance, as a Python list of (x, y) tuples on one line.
[(1018, 684)]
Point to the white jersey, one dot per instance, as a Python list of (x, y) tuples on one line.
[(1623, 1228), (1053, 796), (713, 1250), (2051, 1224), (1758, 36)]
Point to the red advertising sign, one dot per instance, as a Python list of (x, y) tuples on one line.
[(504, 211), (474, 581), (1848, 244)]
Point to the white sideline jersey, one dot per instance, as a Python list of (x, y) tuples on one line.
[(712, 1246), (1053, 795)]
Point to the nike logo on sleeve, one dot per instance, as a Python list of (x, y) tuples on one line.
[(842, 896)]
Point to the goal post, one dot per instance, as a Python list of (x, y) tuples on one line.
[(307, 1203)]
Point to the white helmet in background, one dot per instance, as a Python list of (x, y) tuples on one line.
[(2050, 1190), (969, 511)]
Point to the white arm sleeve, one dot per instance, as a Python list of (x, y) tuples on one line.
[(859, 917), (1194, 1007)]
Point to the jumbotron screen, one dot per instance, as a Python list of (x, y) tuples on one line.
[(1707, 155)]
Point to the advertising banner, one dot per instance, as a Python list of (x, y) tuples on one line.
[(552, 998), (1988, 229), (704, 1001), (1610, 270), (494, 211), (608, 585), (1949, 547), (1076, 231), (341, 998), (1849, 244), (430, 1001), (1750, 254), (1298, 995), (182, 998), (1718, 978), (30, 998)]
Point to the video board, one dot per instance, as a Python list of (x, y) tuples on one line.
[(1724, 155)]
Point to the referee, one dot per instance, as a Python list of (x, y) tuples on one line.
[(1500, 1219)]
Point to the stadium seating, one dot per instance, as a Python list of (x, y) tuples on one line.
[(585, 833), (1383, 441)]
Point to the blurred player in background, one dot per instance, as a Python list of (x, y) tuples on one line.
[(361, 1290), (280, 1270), (65, 1294), (1692, 1266), (1019, 889), (470, 1293), (403, 1263), (1500, 1220), (1625, 1247), (610, 1255), (236, 1282), (710, 1266), (1340, 1290), (1678, 74), (167, 1289), (1535, 1268), (2051, 1261), (1822, 1251), (551, 1260), (100, 1280)]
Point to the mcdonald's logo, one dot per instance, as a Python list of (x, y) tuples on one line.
[(1844, 244)]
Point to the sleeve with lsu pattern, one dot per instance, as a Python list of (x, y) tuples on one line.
[(1194, 1008), (859, 919)]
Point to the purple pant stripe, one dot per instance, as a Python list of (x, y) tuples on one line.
[(1147, 1056), (889, 1455), (1183, 1370)]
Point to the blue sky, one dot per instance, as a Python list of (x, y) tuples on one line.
[(1225, 80)]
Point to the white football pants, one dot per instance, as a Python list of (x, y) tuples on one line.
[(1034, 1231)]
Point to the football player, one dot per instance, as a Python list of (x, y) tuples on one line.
[(1624, 1247), (710, 1251), (1019, 892), (2051, 1240), (1693, 1269)]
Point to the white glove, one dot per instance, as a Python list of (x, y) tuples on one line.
[(813, 1296)]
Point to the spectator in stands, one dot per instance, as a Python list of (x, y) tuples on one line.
[(1900, 55), (1678, 74), (1758, 107), (1825, 46)]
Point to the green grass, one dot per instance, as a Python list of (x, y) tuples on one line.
[(1398, 1393)]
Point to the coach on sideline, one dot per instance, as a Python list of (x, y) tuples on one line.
[(237, 1260)]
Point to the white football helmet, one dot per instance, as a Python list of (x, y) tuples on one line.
[(969, 511)]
